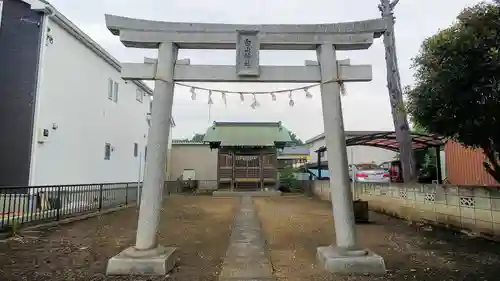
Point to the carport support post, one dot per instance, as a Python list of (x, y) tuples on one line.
[(319, 163), (438, 165), (346, 257), (147, 257)]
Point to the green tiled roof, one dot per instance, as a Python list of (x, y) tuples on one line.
[(247, 133)]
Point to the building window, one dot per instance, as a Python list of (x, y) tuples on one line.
[(145, 152), (115, 92), (139, 95), (107, 151), (113, 88), (110, 89), (136, 149)]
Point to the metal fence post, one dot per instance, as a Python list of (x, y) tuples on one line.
[(126, 194), (58, 203), (100, 196)]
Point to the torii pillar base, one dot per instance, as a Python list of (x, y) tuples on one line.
[(155, 262), (341, 262)]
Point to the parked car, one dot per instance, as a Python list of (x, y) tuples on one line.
[(394, 168), (425, 175), (369, 173)]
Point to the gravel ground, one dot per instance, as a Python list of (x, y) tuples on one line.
[(198, 225), (295, 226)]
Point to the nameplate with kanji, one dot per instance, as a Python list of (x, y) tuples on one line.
[(247, 53)]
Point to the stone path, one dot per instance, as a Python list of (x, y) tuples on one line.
[(246, 258)]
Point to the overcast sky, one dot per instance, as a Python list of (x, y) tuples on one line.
[(366, 106)]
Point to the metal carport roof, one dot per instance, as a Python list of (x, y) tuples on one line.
[(387, 140)]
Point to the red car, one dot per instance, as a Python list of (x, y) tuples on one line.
[(394, 169)]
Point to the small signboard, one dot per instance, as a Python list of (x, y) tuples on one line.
[(247, 53)]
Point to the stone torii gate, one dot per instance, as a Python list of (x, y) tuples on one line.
[(147, 257)]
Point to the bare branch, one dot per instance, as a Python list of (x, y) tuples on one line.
[(393, 4)]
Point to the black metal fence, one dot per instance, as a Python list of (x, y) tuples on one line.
[(38, 204)]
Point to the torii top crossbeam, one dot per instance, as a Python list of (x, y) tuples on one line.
[(149, 34)]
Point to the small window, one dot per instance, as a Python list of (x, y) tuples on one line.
[(107, 151), (136, 149), (151, 107), (145, 152), (139, 95), (110, 89), (115, 92)]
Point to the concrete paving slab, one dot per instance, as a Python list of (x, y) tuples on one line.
[(246, 257), (223, 193)]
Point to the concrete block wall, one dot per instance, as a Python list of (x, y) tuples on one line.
[(468, 208), (321, 189)]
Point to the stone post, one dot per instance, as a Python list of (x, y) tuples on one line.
[(147, 257), (345, 257), (154, 177)]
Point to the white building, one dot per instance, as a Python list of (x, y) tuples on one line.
[(355, 154), (81, 123)]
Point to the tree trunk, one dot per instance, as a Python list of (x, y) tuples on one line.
[(398, 109), (493, 164)]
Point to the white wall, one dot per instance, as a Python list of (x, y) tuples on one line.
[(369, 154), (74, 95), (361, 154), (197, 157), (169, 157)]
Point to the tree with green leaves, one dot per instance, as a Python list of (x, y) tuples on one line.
[(197, 137), (457, 88), (295, 139)]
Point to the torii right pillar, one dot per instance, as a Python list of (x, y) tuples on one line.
[(346, 257)]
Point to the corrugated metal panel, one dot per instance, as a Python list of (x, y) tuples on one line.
[(465, 166)]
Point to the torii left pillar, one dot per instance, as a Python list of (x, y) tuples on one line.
[(147, 257)]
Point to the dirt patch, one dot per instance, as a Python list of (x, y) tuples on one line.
[(198, 225), (295, 226)]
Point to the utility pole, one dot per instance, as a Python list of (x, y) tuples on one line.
[(398, 108)]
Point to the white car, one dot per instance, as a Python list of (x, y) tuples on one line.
[(369, 173)]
